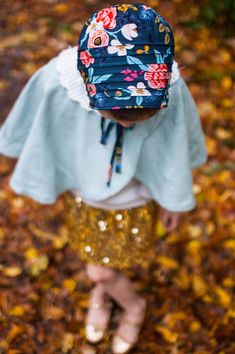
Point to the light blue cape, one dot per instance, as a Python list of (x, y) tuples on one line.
[(57, 145)]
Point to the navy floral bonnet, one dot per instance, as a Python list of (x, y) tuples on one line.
[(125, 56)]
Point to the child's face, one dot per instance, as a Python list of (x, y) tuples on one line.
[(145, 115)]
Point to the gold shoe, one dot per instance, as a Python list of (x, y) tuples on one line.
[(121, 345), (95, 332)]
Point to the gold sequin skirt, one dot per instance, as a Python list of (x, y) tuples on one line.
[(118, 239)]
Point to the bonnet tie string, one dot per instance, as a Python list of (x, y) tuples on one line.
[(117, 150)]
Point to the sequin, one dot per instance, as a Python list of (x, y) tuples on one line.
[(78, 200), (98, 236), (118, 217), (119, 225), (88, 248), (102, 225), (106, 260), (135, 230)]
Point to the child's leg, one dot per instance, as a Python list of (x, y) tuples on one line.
[(120, 288)]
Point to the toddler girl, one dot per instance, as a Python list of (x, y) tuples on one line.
[(110, 126)]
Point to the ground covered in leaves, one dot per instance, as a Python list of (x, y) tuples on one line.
[(44, 290)]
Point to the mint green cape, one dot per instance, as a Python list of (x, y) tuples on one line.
[(57, 145)]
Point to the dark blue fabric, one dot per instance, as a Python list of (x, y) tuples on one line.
[(125, 56)]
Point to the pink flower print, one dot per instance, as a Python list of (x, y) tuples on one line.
[(91, 89), (156, 76), (146, 7), (134, 74), (116, 107), (86, 58), (98, 38), (126, 72), (107, 17), (128, 78)]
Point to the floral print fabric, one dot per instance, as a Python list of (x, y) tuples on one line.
[(125, 56)]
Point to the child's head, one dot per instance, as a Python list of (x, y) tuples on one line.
[(125, 56)]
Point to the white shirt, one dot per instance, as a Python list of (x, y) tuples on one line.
[(134, 194)]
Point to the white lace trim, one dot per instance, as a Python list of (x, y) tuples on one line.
[(71, 79)]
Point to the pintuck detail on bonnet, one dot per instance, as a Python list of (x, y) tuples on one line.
[(71, 79), (125, 57)]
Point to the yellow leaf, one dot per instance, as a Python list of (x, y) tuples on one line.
[(170, 337), (154, 3), (29, 36), (29, 68), (231, 313), (167, 262), (146, 48), (139, 51), (224, 176), (18, 203), (172, 318), (208, 299), (61, 8), (197, 189), (39, 264), (200, 287), (223, 133), (15, 331), (226, 83), (4, 345), (12, 271), (31, 253), (194, 246), (194, 231), (227, 103), (3, 84), (194, 326), (67, 342), (17, 311), (70, 284), (2, 234), (224, 55), (211, 146), (229, 282), (59, 242), (230, 244), (173, 238), (223, 296), (182, 279), (22, 17), (54, 313), (210, 227), (160, 229)]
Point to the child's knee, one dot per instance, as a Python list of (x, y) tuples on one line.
[(100, 274)]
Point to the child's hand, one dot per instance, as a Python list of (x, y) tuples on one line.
[(170, 219)]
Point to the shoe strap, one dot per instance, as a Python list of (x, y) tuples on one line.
[(131, 322), (96, 305)]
